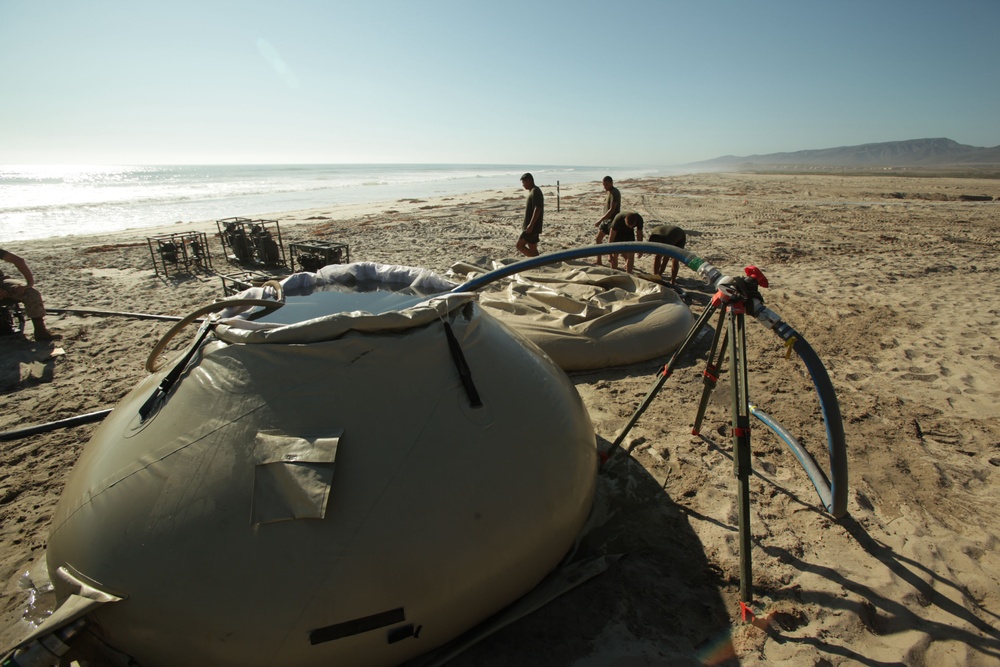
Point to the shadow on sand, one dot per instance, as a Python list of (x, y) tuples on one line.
[(878, 614), (24, 362), (658, 601)]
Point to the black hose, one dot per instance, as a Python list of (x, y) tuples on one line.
[(832, 418), (52, 426)]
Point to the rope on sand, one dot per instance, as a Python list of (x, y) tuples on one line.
[(87, 311)]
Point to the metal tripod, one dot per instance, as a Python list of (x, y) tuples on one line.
[(730, 332)]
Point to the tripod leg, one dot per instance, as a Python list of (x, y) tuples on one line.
[(741, 444), (661, 378), (712, 366)]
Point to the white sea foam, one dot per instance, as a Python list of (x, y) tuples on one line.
[(41, 201)]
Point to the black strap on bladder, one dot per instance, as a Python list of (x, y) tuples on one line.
[(157, 397), (463, 367)]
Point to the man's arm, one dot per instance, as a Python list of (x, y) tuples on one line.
[(616, 204), (22, 266), (534, 218)]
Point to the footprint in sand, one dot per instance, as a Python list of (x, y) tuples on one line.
[(983, 358), (921, 377)]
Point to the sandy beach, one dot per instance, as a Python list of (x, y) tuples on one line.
[(887, 276)]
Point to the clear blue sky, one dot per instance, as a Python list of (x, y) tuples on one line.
[(621, 83)]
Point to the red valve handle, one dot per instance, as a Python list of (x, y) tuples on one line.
[(756, 274)]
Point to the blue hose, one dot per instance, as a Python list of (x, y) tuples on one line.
[(689, 259), (814, 472), (833, 489)]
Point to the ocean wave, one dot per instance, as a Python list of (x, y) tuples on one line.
[(42, 201)]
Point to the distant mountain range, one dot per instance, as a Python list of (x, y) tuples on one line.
[(934, 153)]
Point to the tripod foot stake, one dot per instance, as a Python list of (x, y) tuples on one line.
[(745, 612)]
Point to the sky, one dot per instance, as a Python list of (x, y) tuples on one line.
[(575, 82)]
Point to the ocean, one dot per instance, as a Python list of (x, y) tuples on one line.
[(42, 201)]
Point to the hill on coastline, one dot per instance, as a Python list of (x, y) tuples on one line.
[(910, 154)]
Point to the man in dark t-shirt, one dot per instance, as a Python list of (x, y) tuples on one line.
[(527, 243), (612, 207), (627, 226), (25, 293)]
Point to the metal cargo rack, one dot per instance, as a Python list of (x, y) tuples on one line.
[(234, 283), (313, 255), (180, 251), (254, 242)]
